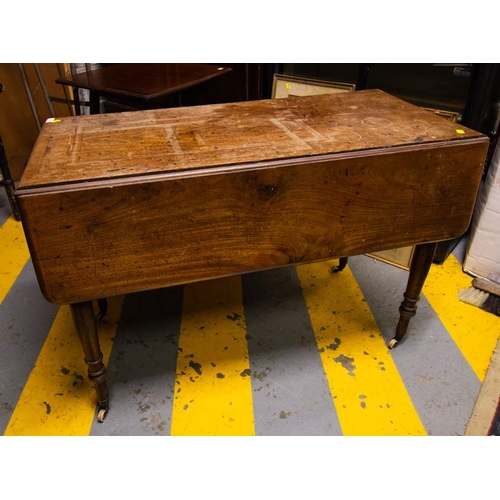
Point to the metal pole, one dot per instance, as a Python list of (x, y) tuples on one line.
[(44, 90), (30, 97)]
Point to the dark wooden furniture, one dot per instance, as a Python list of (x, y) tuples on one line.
[(7, 182), (141, 86), (113, 204)]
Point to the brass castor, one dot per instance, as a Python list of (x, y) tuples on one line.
[(102, 415), (392, 344)]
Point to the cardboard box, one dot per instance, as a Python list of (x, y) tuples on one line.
[(482, 257)]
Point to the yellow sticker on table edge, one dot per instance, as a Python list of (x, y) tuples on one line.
[(460, 131), (287, 86)]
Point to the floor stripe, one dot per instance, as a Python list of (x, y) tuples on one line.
[(26, 318), (463, 321), (13, 254), (58, 399), (290, 391), (213, 391), (442, 385), (141, 368), (369, 395)]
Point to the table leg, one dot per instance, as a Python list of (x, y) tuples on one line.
[(95, 102), (86, 327), (420, 265), (340, 267), (76, 99), (103, 309), (7, 182)]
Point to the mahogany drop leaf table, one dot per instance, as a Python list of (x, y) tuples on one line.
[(119, 203)]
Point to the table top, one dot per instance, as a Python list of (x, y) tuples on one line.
[(171, 141), (146, 81)]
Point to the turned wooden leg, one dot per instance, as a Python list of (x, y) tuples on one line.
[(420, 265), (341, 266), (86, 327), (103, 309)]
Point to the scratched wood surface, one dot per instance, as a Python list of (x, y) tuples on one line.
[(123, 208), (101, 147)]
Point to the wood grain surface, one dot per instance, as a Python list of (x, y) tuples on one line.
[(245, 200), (99, 147)]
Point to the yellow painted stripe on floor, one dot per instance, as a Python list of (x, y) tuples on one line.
[(58, 399), (213, 393), (368, 392), (13, 254), (475, 331)]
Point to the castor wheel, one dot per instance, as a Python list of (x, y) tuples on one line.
[(102, 415), (392, 344), (340, 267)]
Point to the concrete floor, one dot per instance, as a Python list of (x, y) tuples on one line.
[(288, 352)]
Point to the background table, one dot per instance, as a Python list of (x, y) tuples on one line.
[(130, 86)]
